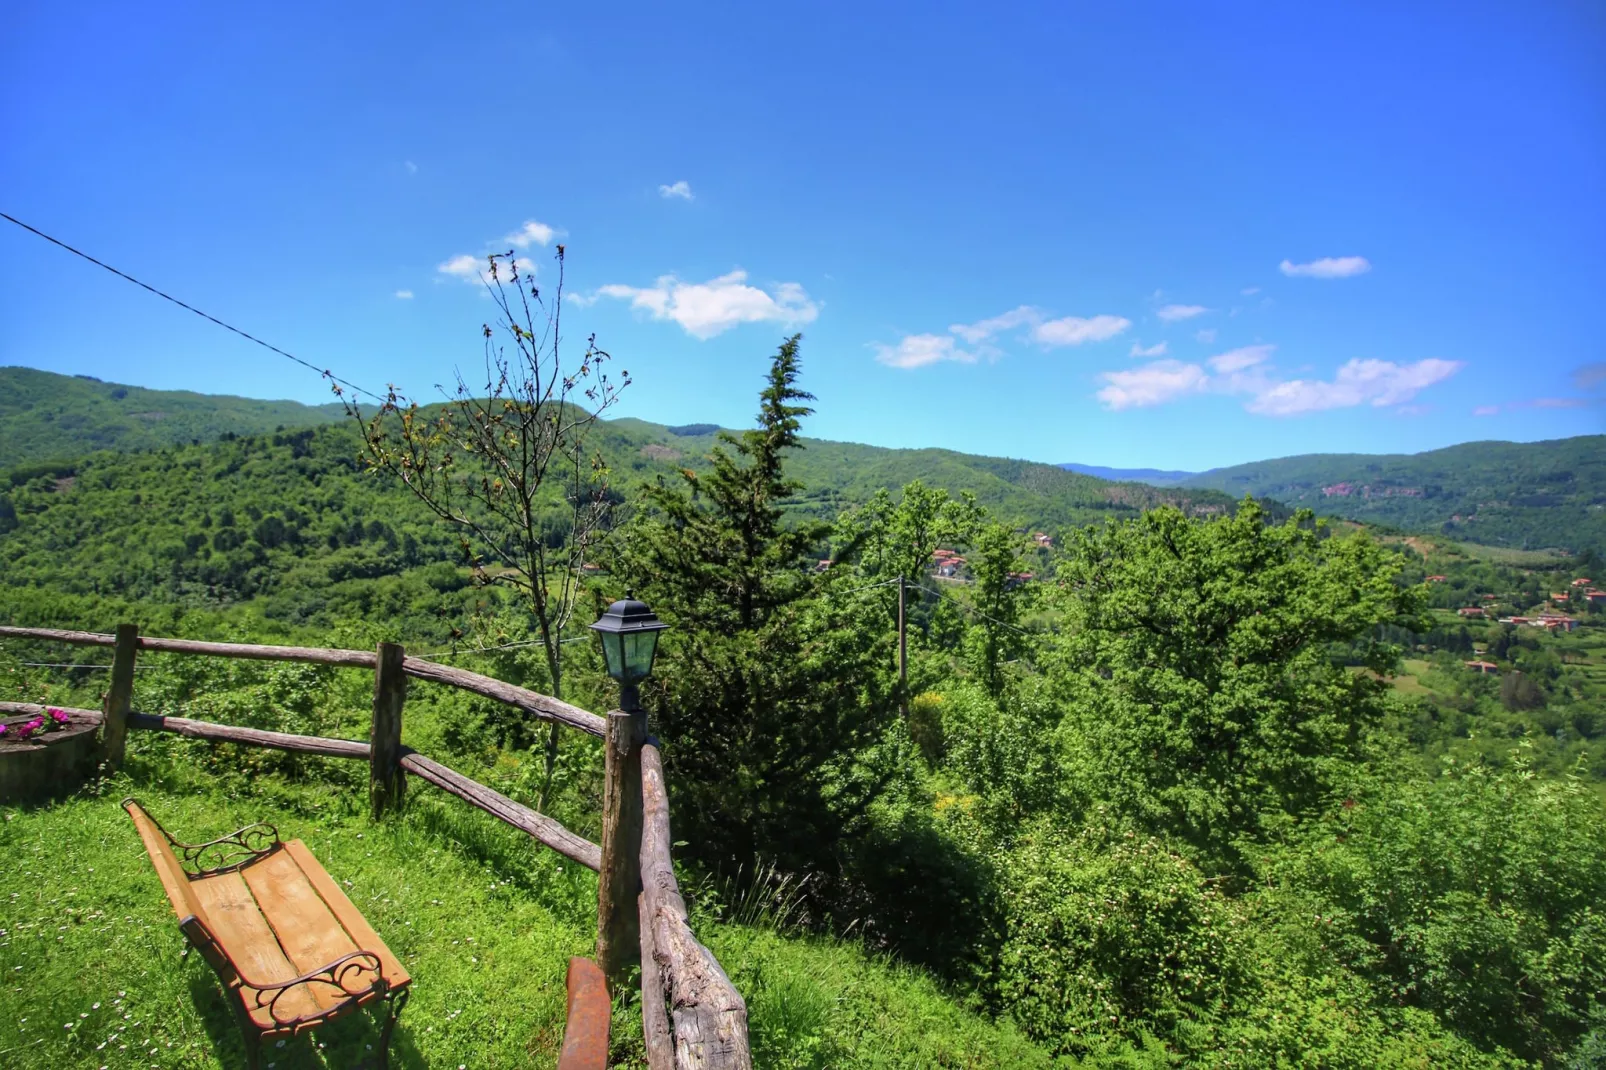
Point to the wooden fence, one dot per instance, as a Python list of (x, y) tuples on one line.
[(692, 1016)]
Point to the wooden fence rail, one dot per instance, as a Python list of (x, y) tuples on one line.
[(692, 1016)]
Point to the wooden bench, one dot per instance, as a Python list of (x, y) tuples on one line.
[(290, 948)]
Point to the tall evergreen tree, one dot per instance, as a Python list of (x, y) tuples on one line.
[(769, 696)]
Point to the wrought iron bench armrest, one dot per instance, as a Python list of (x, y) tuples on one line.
[(228, 853), (337, 974)]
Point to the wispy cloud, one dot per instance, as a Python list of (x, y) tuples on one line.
[(1250, 291), (1075, 330), (1328, 267), (1173, 313), (1486, 410), (681, 189), (1152, 384), (532, 233), (1140, 350), (1236, 360), (1246, 372), (1370, 382), (705, 309), (1590, 376), (1205, 335), (982, 330), (404, 295), (918, 350), (412, 168)]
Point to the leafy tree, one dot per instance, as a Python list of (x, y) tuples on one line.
[(996, 636), (507, 462), (1195, 663)]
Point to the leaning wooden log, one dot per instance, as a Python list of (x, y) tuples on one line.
[(539, 826), (709, 1015), (535, 704), (655, 1031), (250, 737)]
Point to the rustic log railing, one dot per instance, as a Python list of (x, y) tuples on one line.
[(692, 1016)]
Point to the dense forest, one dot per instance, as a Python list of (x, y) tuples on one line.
[(1188, 782)]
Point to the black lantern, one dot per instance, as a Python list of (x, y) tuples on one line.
[(629, 634)]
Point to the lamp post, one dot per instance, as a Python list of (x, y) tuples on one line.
[(629, 635)]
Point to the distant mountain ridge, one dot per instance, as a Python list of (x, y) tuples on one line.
[(1526, 495), (1522, 495), (1156, 476)]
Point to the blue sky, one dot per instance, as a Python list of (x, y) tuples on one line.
[(1173, 235)]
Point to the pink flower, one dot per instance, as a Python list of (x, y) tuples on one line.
[(4, 729), (58, 715)]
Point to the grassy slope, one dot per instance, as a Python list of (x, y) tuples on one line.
[(94, 975), (1534, 494), (49, 417)]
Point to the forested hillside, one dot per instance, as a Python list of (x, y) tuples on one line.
[(49, 417), (1525, 495)]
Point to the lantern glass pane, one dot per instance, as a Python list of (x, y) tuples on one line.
[(613, 653), (639, 648)]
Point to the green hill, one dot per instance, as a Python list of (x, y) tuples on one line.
[(50, 417), (1531, 495)]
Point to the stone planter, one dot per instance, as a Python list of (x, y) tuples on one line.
[(50, 764)]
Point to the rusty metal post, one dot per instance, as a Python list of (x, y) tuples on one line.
[(585, 1035)]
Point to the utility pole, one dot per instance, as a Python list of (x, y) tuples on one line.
[(903, 653)]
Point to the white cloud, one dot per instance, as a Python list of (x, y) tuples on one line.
[(1075, 330), (1245, 372), (1250, 291), (532, 233), (1486, 410), (1328, 267), (1152, 384), (985, 329), (1236, 360), (463, 267), (918, 350), (473, 268), (1205, 335), (1173, 313), (681, 189), (1374, 382), (1156, 350), (404, 295), (705, 309)]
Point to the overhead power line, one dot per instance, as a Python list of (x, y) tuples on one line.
[(324, 372)]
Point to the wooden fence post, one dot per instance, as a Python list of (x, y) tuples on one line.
[(120, 696), (619, 881), (387, 783)]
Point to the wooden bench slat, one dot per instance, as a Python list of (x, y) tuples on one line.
[(346, 912), (237, 923), (307, 930)]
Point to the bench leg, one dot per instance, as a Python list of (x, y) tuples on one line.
[(394, 1004)]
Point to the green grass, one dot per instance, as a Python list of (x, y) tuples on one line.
[(93, 969)]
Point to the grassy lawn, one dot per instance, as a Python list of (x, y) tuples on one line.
[(94, 973)]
